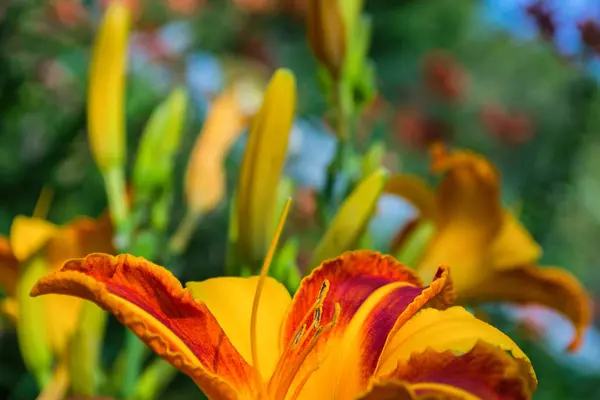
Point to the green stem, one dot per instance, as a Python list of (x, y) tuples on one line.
[(342, 112), (116, 191), (135, 352), (179, 241)]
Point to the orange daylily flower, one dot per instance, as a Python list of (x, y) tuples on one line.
[(493, 256), (360, 325), (28, 237)]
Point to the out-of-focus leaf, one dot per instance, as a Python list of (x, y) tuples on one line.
[(154, 380), (31, 333), (85, 350), (262, 165), (414, 245), (372, 159), (350, 221), (285, 267)]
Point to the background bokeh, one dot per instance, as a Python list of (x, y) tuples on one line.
[(515, 80)]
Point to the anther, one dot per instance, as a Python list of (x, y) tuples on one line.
[(317, 318)]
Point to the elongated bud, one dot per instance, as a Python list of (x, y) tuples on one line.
[(106, 119), (263, 162), (327, 34), (159, 144), (352, 218)]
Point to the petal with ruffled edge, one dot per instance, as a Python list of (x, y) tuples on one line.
[(483, 372), (230, 300), (150, 301), (352, 278), (388, 390), (353, 348), (9, 268), (454, 330), (551, 287)]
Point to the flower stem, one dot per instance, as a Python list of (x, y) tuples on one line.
[(342, 105)]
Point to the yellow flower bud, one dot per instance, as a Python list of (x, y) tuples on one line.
[(262, 165), (106, 122), (351, 219), (327, 34)]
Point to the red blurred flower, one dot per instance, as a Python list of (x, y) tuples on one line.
[(543, 19), (589, 31), (306, 203), (444, 76), (417, 130), (68, 12), (513, 127), (185, 7)]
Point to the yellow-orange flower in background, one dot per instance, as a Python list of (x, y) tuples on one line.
[(359, 325), (492, 255), (205, 175), (34, 248)]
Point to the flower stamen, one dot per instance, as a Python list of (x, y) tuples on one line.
[(259, 289)]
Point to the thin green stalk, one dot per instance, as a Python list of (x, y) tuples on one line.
[(342, 128)]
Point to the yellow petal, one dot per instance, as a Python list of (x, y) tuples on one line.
[(514, 246), (150, 301), (416, 191), (453, 329), (263, 162), (351, 219), (29, 235), (9, 268), (106, 117), (551, 287), (229, 299), (469, 194)]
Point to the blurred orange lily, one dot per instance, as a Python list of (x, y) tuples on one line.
[(360, 325), (31, 237), (493, 256)]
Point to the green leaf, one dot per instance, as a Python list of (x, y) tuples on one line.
[(411, 251), (33, 341)]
